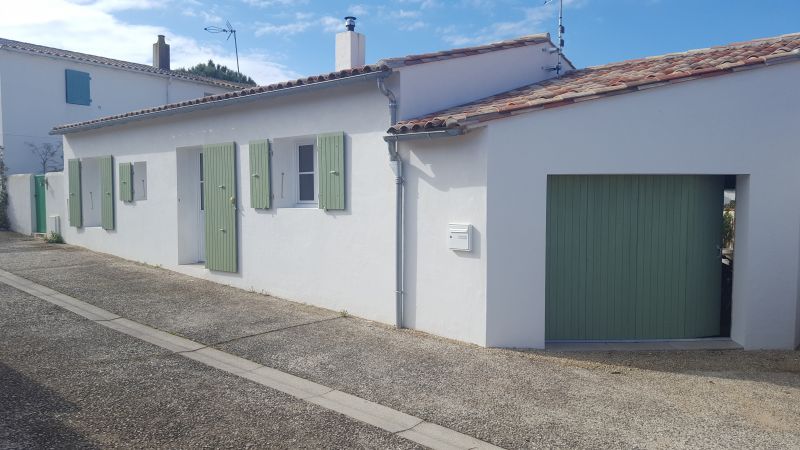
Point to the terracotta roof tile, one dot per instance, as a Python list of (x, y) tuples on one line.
[(610, 79), (533, 39), (383, 65), (126, 65), (227, 95)]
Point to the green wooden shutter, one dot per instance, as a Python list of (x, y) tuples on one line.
[(219, 190), (75, 210), (633, 257), (107, 189), (259, 174), (126, 182), (330, 148)]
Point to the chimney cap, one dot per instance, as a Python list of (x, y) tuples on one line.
[(160, 38), (350, 23)]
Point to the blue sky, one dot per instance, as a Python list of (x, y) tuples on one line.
[(280, 39)]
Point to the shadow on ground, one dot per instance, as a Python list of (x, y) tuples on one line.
[(29, 415)]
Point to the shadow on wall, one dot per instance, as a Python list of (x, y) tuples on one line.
[(444, 164), (779, 367), (30, 415)]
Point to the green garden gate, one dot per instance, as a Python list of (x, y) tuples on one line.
[(40, 203)]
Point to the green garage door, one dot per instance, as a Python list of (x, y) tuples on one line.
[(633, 257)]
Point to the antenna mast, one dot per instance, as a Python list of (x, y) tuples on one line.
[(230, 32), (560, 49)]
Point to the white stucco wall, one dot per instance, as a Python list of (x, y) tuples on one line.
[(34, 99), (430, 87), (21, 214), (338, 260), (445, 183), (55, 198), (741, 124)]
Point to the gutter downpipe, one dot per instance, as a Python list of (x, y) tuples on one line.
[(394, 156)]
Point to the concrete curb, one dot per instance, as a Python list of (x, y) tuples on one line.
[(391, 420)]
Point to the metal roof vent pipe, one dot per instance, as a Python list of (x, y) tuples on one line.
[(350, 46), (161, 53)]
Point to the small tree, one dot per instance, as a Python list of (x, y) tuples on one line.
[(220, 72), (4, 224), (727, 229), (48, 154)]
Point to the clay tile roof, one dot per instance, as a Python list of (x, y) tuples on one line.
[(125, 65), (409, 60), (250, 91), (383, 65), (611, 79)]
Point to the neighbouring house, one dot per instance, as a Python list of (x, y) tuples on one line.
[(473, 193), (41, 87)]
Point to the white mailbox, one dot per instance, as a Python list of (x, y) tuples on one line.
[(460, 237)]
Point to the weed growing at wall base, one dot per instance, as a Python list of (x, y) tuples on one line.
[(54, 238), (4, 224)]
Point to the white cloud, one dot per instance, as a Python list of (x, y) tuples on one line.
[(534, 20), (411, 26), (358, 10), (303, 22), (331, 24), (90, 28), (268, 3), (286, 29), (405, 14)]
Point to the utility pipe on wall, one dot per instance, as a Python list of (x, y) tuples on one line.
[(399, 208), (394, 156)]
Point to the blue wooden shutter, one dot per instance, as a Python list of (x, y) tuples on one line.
[(75, 210), (330, 148), (259, 174), (77, 87)]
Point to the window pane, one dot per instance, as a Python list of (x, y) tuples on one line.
[(307, 187), (306, 158)]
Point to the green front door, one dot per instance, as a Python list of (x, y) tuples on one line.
[(633, 257), (219, 192), (39, 200)]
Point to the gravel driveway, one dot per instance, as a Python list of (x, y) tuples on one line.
[(513, 399)]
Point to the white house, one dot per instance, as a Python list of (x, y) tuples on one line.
[(504, 206), (41, 87)]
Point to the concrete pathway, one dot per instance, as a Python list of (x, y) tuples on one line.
[(68, 382), (388, 419), (511, 399)]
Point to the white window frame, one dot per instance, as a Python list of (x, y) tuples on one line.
[(296, 172)]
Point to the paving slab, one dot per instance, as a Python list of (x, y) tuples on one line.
[(71, 383), (196, 309), (513, 399), (528, 399)]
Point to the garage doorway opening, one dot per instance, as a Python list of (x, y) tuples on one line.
[(636, 257), (727, 253)]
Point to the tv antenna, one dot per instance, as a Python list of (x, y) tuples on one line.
[(230, 32), (560, 49)]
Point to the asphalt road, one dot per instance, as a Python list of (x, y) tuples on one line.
[(66, 382), (111, 390)]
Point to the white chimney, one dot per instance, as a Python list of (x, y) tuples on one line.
[(350, 46)]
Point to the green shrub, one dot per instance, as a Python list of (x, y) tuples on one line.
[(54, 238)]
